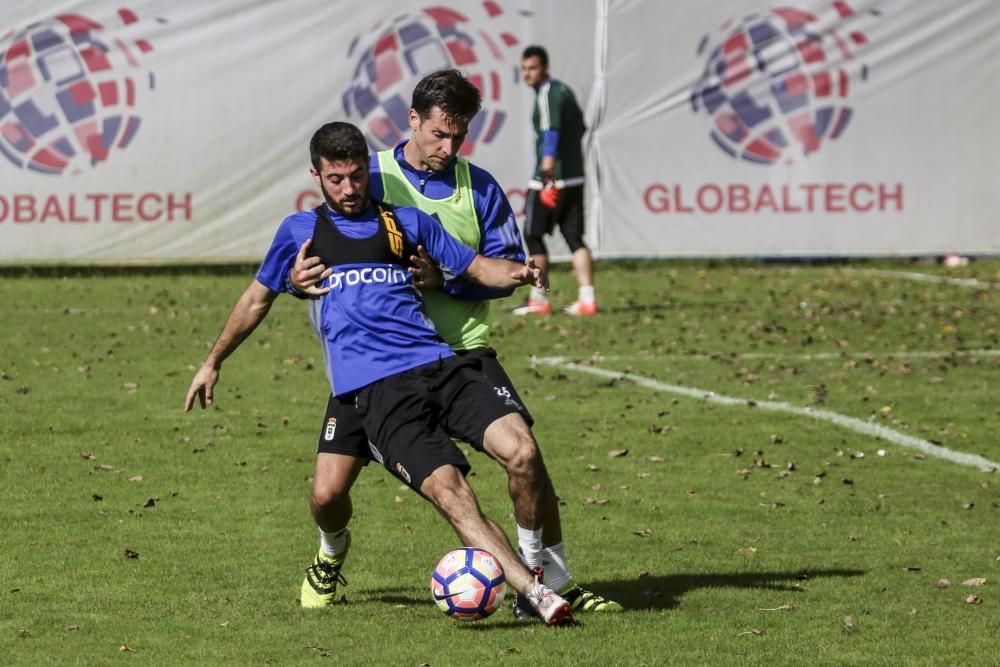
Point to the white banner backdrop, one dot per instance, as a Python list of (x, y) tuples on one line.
[(177, 131), (803, 128)]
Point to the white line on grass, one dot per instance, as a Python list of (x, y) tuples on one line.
[(929, 278), (866, 428), (805, 356)]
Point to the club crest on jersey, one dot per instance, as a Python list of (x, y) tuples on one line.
[(331, 429)]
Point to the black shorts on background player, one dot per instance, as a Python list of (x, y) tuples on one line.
[(541, 220), (411, 417), (343, 433)]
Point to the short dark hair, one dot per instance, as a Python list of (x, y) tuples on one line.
[(450, 91), (337, 141), (535, 51)]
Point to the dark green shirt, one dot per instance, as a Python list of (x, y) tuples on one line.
[(556, 108)]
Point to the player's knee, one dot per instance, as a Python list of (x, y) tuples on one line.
[(448, 491), (524, 458), (327, 495)]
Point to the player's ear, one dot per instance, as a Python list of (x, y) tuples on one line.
[(414, 120)]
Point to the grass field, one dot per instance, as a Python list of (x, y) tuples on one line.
[(800, 513)]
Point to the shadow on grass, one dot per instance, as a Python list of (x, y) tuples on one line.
[(657, 592), (665, 592)]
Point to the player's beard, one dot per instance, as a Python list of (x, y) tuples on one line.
[(352, 207)]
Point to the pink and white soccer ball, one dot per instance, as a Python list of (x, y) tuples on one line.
[(468, 584)]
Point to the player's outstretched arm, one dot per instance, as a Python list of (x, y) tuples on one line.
[(308, 272), (505, 273), (250, 310)]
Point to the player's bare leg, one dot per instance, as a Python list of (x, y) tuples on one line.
[(583, 268), (509, 440), (331, 507), (449, 492), (330, 501)]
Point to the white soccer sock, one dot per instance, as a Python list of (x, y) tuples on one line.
[(334, 544), (538, 295), (557, 576), (530, 544), (586, 294)]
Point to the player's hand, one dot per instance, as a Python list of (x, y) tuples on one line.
[(308, 272), (549, 195), (202, 386), (531, 274), (426, 274)]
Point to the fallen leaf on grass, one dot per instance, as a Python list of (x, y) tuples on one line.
[(975, 581), (592, 468), (71, 628), (105, 467), (749, 551), (87, 456), (655, 459), (756, 632), (617, 453), (645, 532), (784, 606), (135, 478), (973, 599), (125, 648), (131, 554), (150, 502), (594, 501), (849, 624), (513, 649), (943, 582)]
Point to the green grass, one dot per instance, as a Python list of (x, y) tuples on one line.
[(733, 534)]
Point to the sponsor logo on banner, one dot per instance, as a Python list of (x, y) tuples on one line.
[(395, 54), (72, 88), (775, 91)]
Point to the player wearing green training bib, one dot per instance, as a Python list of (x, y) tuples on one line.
[(425, 172)]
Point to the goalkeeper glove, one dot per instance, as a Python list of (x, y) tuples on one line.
[(549, 196)]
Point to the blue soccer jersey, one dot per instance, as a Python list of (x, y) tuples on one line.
[(371, 323)]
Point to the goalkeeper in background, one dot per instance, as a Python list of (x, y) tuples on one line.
[(555, 194)]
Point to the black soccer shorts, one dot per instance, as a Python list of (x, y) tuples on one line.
[(541, 220), (411, 417), (342, 432)]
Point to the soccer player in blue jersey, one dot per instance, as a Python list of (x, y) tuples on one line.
[(412, 392), (426, 172)]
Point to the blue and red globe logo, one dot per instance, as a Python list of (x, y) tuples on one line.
[(401, 51), (776, 85), (69, 89)]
